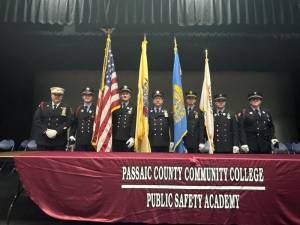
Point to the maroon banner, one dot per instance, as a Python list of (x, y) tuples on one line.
[(164, 188)]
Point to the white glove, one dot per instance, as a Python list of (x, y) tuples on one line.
[(130, 142), (245, 148), (201, 146), (72, 140), (171, 146), (274, 142), (235, 149), (51, 133)]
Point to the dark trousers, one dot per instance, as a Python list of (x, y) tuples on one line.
[(120, 146), (50, 148), (192, 150), (259, 145), (84, 148), (159, 148), (223, 147)]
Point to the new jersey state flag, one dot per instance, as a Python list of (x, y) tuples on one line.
[(142, 143), (179, 113)]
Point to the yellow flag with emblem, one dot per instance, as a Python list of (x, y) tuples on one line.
[(142, 143)]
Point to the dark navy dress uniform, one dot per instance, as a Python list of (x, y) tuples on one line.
[(195, 129), (226, 134), (58, 118), (256, 130), (82, 127), (160, 129), (123, 120)]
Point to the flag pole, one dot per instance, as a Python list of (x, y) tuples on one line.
[(108, 32)]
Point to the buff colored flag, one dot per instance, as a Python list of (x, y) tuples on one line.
[(142, 143), (206, 106)]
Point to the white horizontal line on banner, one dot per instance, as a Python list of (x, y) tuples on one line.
[(184, 187)]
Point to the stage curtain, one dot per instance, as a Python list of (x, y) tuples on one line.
[(151, 12)]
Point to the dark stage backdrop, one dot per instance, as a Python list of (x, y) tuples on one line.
[(280, 90)]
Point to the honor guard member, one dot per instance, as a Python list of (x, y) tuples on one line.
[(52, 120), (160, 125), (226, 134), (194, 139), (257, 133), (124, 123), (82, 126)]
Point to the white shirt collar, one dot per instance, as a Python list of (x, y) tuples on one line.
[(255, 109), (158, 109), (87, 104), (220, 111), (53, 104)]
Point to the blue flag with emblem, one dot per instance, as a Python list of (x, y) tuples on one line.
[(179, 115)]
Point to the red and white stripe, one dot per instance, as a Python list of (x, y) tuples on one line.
[(108, 100)]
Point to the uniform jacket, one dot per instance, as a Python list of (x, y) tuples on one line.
[(124, 120), (160, 128), (82, 126), (226, 134), (45, 117)]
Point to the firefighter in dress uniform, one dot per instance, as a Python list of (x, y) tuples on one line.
[(82, 126), (226, 134), (51, 121), (160, 125), (194, 139), (257, 133), (124, 123)]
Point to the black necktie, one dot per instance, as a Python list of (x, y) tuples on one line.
[(257, 112), (220, 113), (54, 106), (85, 108), (190, 109)]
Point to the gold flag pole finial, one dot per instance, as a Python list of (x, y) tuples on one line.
[(206, 54), (108, 31)]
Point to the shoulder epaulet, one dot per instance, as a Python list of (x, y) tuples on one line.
[(230, 112), (77, 110), (243, 113), (41, 105)]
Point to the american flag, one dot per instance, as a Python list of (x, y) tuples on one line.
[(108, 101)]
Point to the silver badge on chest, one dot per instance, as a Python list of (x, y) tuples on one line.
[(228, 116), (129, 110), (166, 113)]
